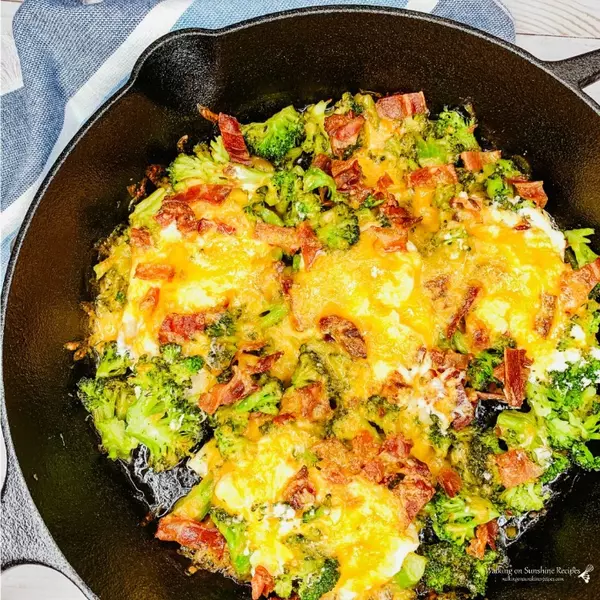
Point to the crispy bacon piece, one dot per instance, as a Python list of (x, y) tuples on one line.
[(475, 161), (398, 215), (485, 535), (464, 413), (343, 131), (347, 174), (137, 191), (323, 162), (155, 173), (282, 418), (543, 320), (213, 193), (299, 492), (470, 297), (208, 114), (430, 177), (179, 212), (396, 446), (471, 204), (286, 238), (515, 376), (140, 237), (491, 396), (150, 300), (437, 287), (309, 402), (191, 534), (310, 245), (233, 140), (177, 328), (515, 468), (442, 360), (365, 446), (154, 272), (374, 470), (400, 106), (262, 583), (265, 363), (345, 333), (223, 394), (205, 224), (576, 286), (384, 182), (393, 383), (391, 239), (414, 493), (450, 480), (531, 190)]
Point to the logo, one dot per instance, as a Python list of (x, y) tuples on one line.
[(585, 575)]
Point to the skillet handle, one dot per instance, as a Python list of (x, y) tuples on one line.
[(578, 71), (25, 538)]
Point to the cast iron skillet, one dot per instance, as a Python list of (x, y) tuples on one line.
[(84, 501)]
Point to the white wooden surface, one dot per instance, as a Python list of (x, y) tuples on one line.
[(549, 29)]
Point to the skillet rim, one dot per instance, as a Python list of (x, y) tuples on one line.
[(12, 462)]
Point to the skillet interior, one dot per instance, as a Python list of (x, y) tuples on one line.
[(250, 72)]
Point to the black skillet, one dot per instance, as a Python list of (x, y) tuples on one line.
[(82, 503)]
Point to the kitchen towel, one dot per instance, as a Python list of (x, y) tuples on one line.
[(74, 55)]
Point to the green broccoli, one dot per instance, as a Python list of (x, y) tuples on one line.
[(523, 430), (196, 503), (440, 440), (365, 106), (338, 228), (497, 187), (454, 519), (233, 529), (559, 464), (229, 426), (524, 498), (264, 400), (346, 104), (320, 577), (413, 568), (315, 178), (380, 412), (112, 363), (432, 152), (480, 372), (250, 179), (186, 171), (456, 131), (274, 138), (316, 140), (143, 213), (223, 326), (259, 211), (273, 315), (449, 567), (221, 352), (218, 151), (294, 202), (578, 243)]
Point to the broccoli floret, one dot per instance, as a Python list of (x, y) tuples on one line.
[(319, 578), (578, 241), (523, 430), (249, 179), (188, 170), (233, 529), (432, 152), (496, 183), (449, 567), (221, 353), (112, 363), (295, 203), (560, 463), (217, 150), (440, 440), (347, 424), (583, 457), (107, 400), (413, 568), (346, 104), (259, 211), (316, 140), (143, 213), (266, 400), (524, 498), (276, 136), (338, 228), (223, 326), (382, 413), (454, 519), (316, 178), (273, 315), (480, 372), (456, 131), (229, 426), (196, 504)]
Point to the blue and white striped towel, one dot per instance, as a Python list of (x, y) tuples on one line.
[(74, 55)]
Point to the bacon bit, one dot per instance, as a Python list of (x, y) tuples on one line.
[(515, 468), (338, 460), (213, 193), (531, 190), (224, 394), (480, 338), (398, 215), (431, 177), (450, 480), (414, 494), (400, 106), (393, 383), (205, 224), (323, 162), (347, 174), (476, 547), (384, 182), (345, 333), (154, 272), (286, 285), (233, 140), (576, 286), (150, 301), (179, 212), (282, 418), (515, 376), (140, 237), (208, 114), (286, 238), (137, 191), (464, 413), (491, 396), (471, 204), (309, 244), (391, 239), (438, 286), (523, 225), (262, 583), (155, 173), (191, 534), (543, 320), (309, 402), (299, 492), (265, 363), (492, 532), (181, 142), (470, 297), (177, 328), (475, 161), (343, 131), (374, 471), (365, 446)]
